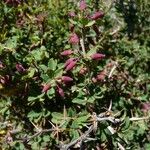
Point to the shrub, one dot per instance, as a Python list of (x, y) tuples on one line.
[(73, 75)]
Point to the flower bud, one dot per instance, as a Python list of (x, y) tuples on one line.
[(66, 52), (94, 80), (71, 14), (97, 56), (1, 65), (69, 61), (82, 5), (66, 79), (74, 39), (101, 76), (46, 87), (60, 91), (20, 68), (70, 66), (97, 15), (83, 71), (145, 106)]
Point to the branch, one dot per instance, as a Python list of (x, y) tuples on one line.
[(80, 139)]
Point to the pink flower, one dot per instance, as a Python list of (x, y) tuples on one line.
[(82, 5), (69, 61), (60, 91), (66, 52), (70, 65), (46, 87), (97, 56), (72, 14), (74, 39), (20, 68), (66, 79), (97, 15)]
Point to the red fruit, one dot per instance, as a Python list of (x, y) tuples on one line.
[(97, 15), (74, 39), (97, 56), (70, 66), (69, 61), (46, 87), (60, 91), (66, 79), (66, 52), (82, 5)]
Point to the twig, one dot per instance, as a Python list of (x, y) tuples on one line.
[(110, 105), (27, 139), (113, 69), (80, 139), (138, 119), (120, 146), (82, 42)]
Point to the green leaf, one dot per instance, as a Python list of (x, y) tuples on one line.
[(90, 23), (91, 52), (50, 93), (74, 134), (79, 101), (31, 72), (52, 64), (43, 67)]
